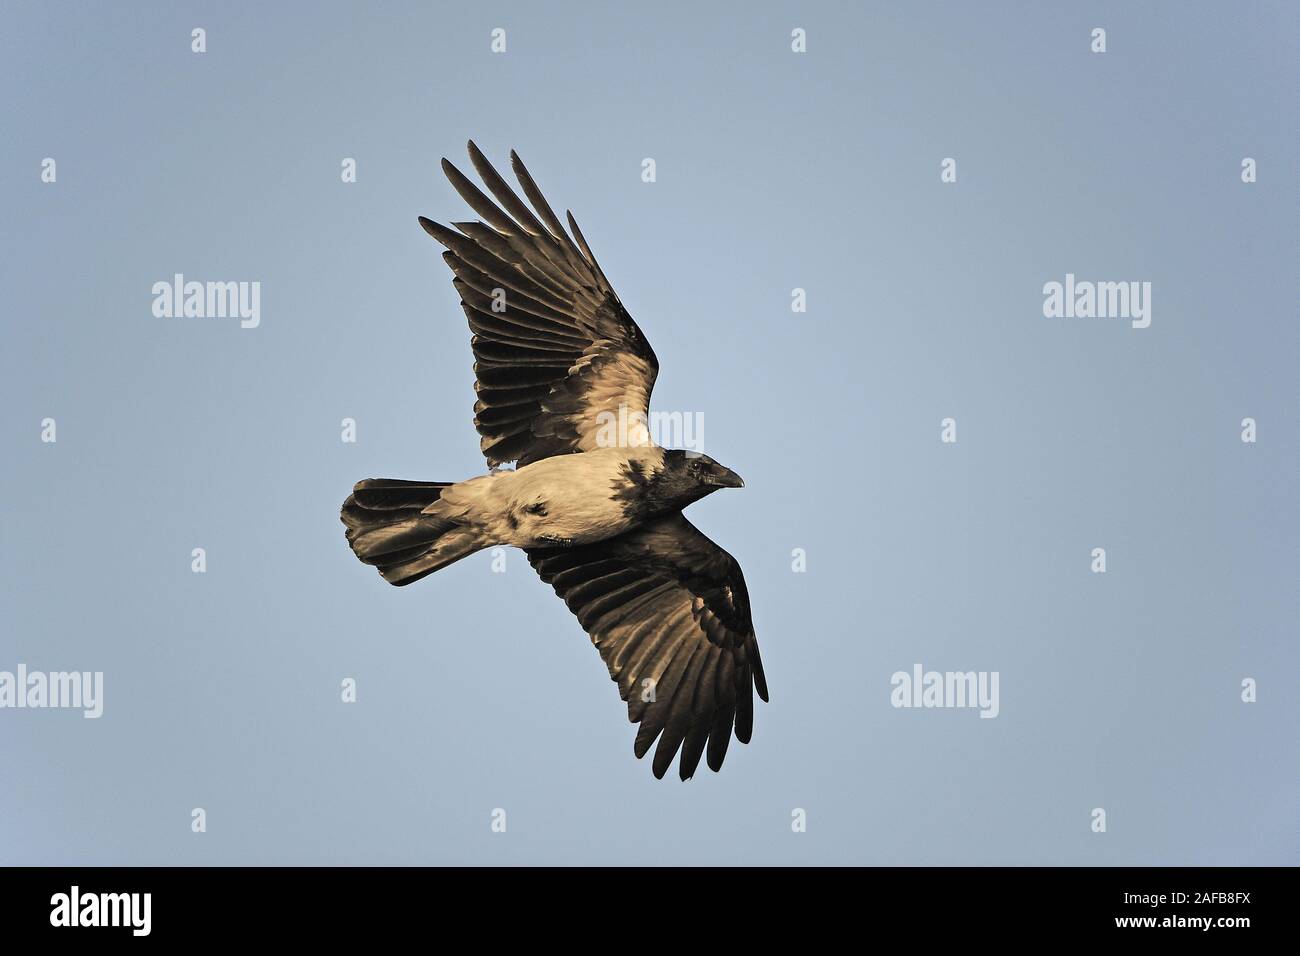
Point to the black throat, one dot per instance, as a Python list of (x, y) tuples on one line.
[(645, 494)]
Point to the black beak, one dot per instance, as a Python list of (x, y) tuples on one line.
[(724, 478)]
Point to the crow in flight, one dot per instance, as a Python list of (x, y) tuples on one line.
[(557, 357)]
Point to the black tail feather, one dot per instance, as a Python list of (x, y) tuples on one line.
[(388, 528), (380, 493)]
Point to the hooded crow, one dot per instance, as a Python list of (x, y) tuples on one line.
[(556, 355)]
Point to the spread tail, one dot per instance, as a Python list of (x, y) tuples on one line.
[(389, 527)]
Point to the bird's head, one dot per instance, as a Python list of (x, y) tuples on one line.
[(688, 476)]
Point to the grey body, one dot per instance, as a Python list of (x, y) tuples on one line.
[(566, 499)]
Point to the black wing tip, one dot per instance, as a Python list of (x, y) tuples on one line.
[(440, 233), (477, 157), (517, 164), (455, 176), (686, 768), (474, 151)]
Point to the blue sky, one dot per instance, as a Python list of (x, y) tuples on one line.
[(775, 171)]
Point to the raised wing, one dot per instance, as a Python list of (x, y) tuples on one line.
[(553, 346), (668, 611)]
